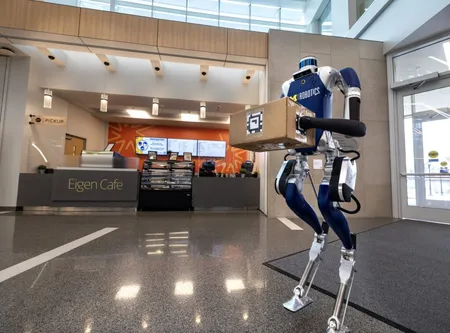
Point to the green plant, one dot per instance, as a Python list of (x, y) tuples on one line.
[(243, 171), (256, 174), (42, 167)]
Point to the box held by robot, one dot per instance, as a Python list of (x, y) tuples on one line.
[(271, 126)]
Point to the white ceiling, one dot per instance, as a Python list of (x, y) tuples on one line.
[(169, 110)]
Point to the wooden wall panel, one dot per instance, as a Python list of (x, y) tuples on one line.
[(48, 17), (247, 43), (189, 36), (118, 27), (12, 13)]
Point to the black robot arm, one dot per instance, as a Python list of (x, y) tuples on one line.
[(348, 127)]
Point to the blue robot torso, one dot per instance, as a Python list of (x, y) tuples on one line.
[(312, 93)]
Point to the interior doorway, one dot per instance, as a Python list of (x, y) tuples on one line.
[(74, 145)]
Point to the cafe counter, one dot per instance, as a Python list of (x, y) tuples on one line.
[(80, 187)]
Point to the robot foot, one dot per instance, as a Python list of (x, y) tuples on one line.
[(343, 329), (297, 303)]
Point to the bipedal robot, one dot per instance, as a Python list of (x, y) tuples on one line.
[(313, 87)]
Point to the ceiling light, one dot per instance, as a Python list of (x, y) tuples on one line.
[(245, 316), (233, 285), (179, 232), (128, 292), (138, 114), (189, 117), (155, 107), (154, 245), (202, 110), (184, 288), (197, 319), (155, 234), (104, 102), (48, 97)]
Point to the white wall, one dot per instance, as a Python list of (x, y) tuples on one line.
[(84, 72), (406, 15), (82, 124), (13, 130)]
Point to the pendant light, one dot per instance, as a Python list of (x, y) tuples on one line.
[(155, 107), (48, 97), (104, 103), (202, 110)]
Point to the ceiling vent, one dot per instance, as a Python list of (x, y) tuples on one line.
[(4, 51)]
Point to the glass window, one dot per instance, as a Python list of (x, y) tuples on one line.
[(362, 6), (134, 7), (429, 59), (326, 25), (202, 20), (63, 2), (210, 7), (95, 4), (265, 13), (235, 24), (292, 16), (170, 4), (234, 9), (166, 15), (263, 26)]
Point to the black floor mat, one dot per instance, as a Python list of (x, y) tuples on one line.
[(403, 274)]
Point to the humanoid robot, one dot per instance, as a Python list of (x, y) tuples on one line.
[(312, 87)]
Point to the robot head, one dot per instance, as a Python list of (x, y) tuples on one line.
[(308, 63)]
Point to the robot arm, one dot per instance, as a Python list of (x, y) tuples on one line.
[(351, 87)]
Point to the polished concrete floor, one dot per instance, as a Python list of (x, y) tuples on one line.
[(159, 272)]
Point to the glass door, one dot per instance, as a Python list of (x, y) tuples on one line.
[(424, 142)]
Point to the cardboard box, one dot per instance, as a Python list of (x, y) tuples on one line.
[(271, 126)]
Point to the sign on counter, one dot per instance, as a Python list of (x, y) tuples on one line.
[(93, 185)]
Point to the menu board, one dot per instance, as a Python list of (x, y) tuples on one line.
[(144, 145), (212, 148), (183, 146)]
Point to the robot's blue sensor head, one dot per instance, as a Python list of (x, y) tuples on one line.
[(308, 63)]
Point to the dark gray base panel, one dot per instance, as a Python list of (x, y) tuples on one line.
[(230, 193), (403, 274)]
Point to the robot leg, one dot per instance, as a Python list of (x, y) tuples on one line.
[(289, 183), (301, 299), (339, 224)]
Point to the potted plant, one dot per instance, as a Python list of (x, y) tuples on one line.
[(255, 174), (243, 173), (41, 168)]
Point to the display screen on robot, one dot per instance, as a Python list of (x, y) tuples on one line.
[(146, 144), (183, 146), (211, 148)]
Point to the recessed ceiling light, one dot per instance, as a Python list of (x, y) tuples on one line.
[(138, 114), (189, 117)]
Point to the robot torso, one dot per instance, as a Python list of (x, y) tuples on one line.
[(315, 92)]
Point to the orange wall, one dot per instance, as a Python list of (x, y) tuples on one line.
[(123, 135)]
